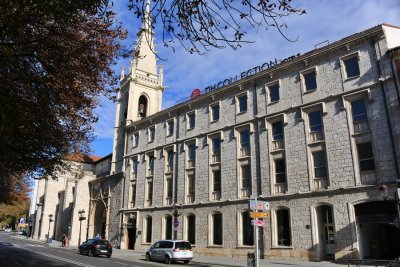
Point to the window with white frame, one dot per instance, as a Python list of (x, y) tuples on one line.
[(169, 161), (279, 167), (242, 103), (191, 155), (216, 185), (274, 93), (191, 188), (359, 115), (351, 66), (244, 142), (148, 223), (135, 139), (315, 126), (277, 135), (283, 231), (246, 180), (150, 166), (247, 230), (149, 192), (170, 127), (135, 168), (216, 229), (152, 134), (216, 149), (214, 108), (167, 227), (366, 163), (309, 80), (191, 118), (190, 233), (133, 194), (168, 189), (320, 169)]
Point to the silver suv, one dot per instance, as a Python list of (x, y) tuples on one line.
[(170, 251)]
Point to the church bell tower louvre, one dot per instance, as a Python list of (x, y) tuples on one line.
[(141, 88)]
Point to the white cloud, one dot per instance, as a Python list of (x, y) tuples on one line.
[(325, 20)]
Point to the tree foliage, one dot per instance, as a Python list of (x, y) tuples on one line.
[(199, 25), (55, 62)]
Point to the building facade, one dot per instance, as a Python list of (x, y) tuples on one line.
[(315, 135)]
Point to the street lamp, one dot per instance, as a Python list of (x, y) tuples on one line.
[(81, 218), (176, 213), (48, 232)]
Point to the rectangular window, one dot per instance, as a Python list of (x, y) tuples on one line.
[(151, 166), (217, 229), (191, 188), (366, 157), (246, 181), (192, 156), (135, 168), (170, 128), (244, 143), (170, 161), (133, 195), (216, 149), (283, 227), (242, 103), (277, 131), (149, 192), (274, 93), (360, 117), (191, 228), (351, 67), (136, 139), (152, 134), (215, 112), (315, 122), (168, 227), (216, 187), (319, 159), (247, 230), (310, 81), (280, 171), (169, 186), (191, 120)]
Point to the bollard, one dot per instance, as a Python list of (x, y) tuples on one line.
[(251, 259)]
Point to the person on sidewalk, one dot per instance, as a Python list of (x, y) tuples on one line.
[(64, 240)]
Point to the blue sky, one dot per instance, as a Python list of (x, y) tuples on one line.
[(326, 20)]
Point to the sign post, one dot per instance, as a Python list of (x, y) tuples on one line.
[(255, 206)]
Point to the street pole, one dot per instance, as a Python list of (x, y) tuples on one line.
[(81, 218), (256, 229), (48, 232)]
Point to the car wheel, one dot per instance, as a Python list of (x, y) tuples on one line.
[(108, 256), (91, 253), (80, 252), (167, 259), (185, 262), (148, 258)]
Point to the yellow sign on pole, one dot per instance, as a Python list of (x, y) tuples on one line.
[(255, 215)]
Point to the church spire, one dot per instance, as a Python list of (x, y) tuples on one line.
[(144, 52)]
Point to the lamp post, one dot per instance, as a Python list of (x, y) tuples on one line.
[(176, 215), (81, 218), (48, 231)]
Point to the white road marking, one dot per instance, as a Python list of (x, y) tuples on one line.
[(120, 263), (65, 260)]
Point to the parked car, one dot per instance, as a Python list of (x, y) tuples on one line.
[(94, 247), (170, 251), (22, 232)]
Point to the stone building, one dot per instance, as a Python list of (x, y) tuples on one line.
[(315, 135)]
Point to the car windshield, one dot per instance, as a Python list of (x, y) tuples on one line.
[(183, 245), (102, 242)]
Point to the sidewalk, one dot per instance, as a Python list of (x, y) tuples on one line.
[(131, 255)]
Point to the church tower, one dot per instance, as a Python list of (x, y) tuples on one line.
[(140, 93)]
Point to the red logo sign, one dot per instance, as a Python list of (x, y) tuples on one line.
[(196, 92)]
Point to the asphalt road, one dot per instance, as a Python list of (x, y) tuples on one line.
[(15, 252)]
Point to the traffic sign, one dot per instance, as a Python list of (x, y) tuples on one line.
[(257, 222), (259, 215), (259, 205), (176, 224)]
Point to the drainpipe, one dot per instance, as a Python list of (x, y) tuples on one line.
[(176, 174)]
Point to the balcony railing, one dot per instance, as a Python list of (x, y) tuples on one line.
[(277, 144), (168, 201), (360, 126), (149, 202), (190, 198), (245, 192), (191, 163), (132, 204), (280, 188), (216, 195), (316, 136), (368, 177), (216, 158), (245, 151), (320, 183)]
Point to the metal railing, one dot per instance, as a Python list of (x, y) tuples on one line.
[(316, 136), (320, 183), (277, 144), (361, 126)]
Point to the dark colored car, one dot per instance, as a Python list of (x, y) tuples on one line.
[(94, 247)]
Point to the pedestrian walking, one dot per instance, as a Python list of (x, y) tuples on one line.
[(64, 240)]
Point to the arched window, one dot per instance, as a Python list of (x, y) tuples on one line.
[(283, 232), (148, 229), (190, 229), (167, 227), (247, 230), (142, 111), (216, 229)]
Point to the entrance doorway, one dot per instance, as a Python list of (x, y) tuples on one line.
[(100, 220), (324, 233), (131, 227), (376, 232)]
